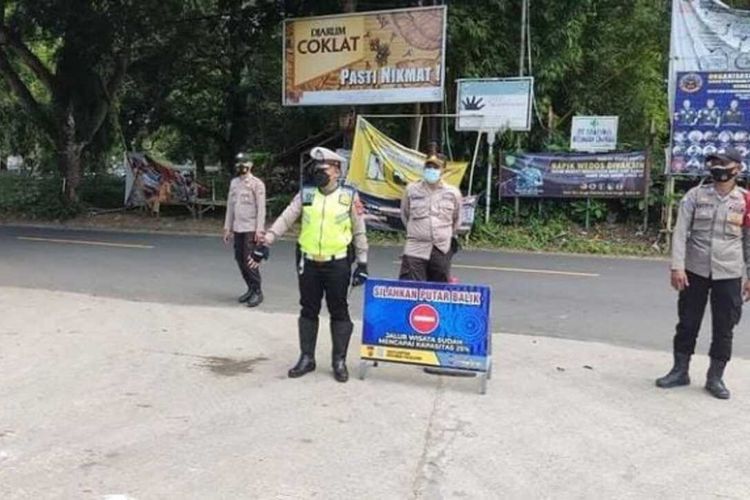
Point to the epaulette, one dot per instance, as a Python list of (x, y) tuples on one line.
[(349, 188)]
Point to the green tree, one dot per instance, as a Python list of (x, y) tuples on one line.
[(92, 45)]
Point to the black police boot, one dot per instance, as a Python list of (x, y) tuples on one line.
[(255, 299), (678, 375), (341, 332), (714, 383), (308, 336), (245, 296)]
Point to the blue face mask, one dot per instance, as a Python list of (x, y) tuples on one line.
[(431, 175)]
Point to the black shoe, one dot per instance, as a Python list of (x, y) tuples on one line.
[(255, 299), (306, 364), (245, 296), (714, 383), (678, 375), (340, 373)]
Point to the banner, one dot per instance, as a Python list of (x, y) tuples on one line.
[(712, 113), (381, 168), (594, 133), (382, 57), (151, 183), (570, 175), (707, 35), (429, 324), (484, 104)]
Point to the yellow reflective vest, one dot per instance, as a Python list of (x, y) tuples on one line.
[(326, 221)]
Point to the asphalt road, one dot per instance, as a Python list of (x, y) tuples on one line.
[(618, 301)]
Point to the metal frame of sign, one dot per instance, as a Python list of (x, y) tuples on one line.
[(284, 101), (493, 126)]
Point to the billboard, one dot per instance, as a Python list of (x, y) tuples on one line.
[(381, 168), (573, 175), (707, 35), (594, 133), (494, 104), (712, 113), (394, 56), (428, 324), (150, 182)]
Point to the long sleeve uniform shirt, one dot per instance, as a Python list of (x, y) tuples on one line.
[(709, 238), (431, 215)]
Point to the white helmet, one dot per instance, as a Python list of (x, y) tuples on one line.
[(325, 155)]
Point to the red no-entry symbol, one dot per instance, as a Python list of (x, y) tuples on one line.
[(424, 319)]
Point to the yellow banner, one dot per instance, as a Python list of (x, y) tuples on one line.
[(393, 56), (382, 167)]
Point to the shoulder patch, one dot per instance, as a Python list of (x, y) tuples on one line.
[(346, 195), (308, 194)]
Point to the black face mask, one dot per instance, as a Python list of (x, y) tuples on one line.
[(722, 174), (320, 178)]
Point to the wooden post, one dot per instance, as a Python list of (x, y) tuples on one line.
[(588, 213)]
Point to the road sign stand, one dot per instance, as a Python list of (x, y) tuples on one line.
[(483, 377)]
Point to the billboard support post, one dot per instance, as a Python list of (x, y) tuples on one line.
[(474, 161), (490, 160)]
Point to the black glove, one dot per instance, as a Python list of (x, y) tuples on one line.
[(360, 275), (455, 245), (260, 253)]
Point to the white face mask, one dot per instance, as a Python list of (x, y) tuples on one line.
[(431, 175)]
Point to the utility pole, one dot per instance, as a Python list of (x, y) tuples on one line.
[(348, 116), (521, 71), (522, 56)]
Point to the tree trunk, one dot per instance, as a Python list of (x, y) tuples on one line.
[(200, 164), (69, 161), (69, 152)]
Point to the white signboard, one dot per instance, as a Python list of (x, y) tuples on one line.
[(494, 104), (594, 133)]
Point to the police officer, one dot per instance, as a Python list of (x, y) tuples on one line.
[(431, 213), (710, 115), (245, 222), (687, 115), (710, 256), (733, 116), (331, 236)]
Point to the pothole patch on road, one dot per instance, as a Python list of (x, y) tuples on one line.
[(230, 367)]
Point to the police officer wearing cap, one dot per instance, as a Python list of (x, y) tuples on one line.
[(332, 235), (710, 257), (431, 213), (245, 222)]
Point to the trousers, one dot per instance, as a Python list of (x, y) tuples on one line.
[(330, 279), (244, 244), (436, 269), (726, 310)]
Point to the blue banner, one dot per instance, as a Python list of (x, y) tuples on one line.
[(711, 113), (573, 175), (428, 324)]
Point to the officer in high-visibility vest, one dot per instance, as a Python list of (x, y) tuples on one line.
[(331, 237)]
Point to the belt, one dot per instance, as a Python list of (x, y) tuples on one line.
[(325, 258)]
